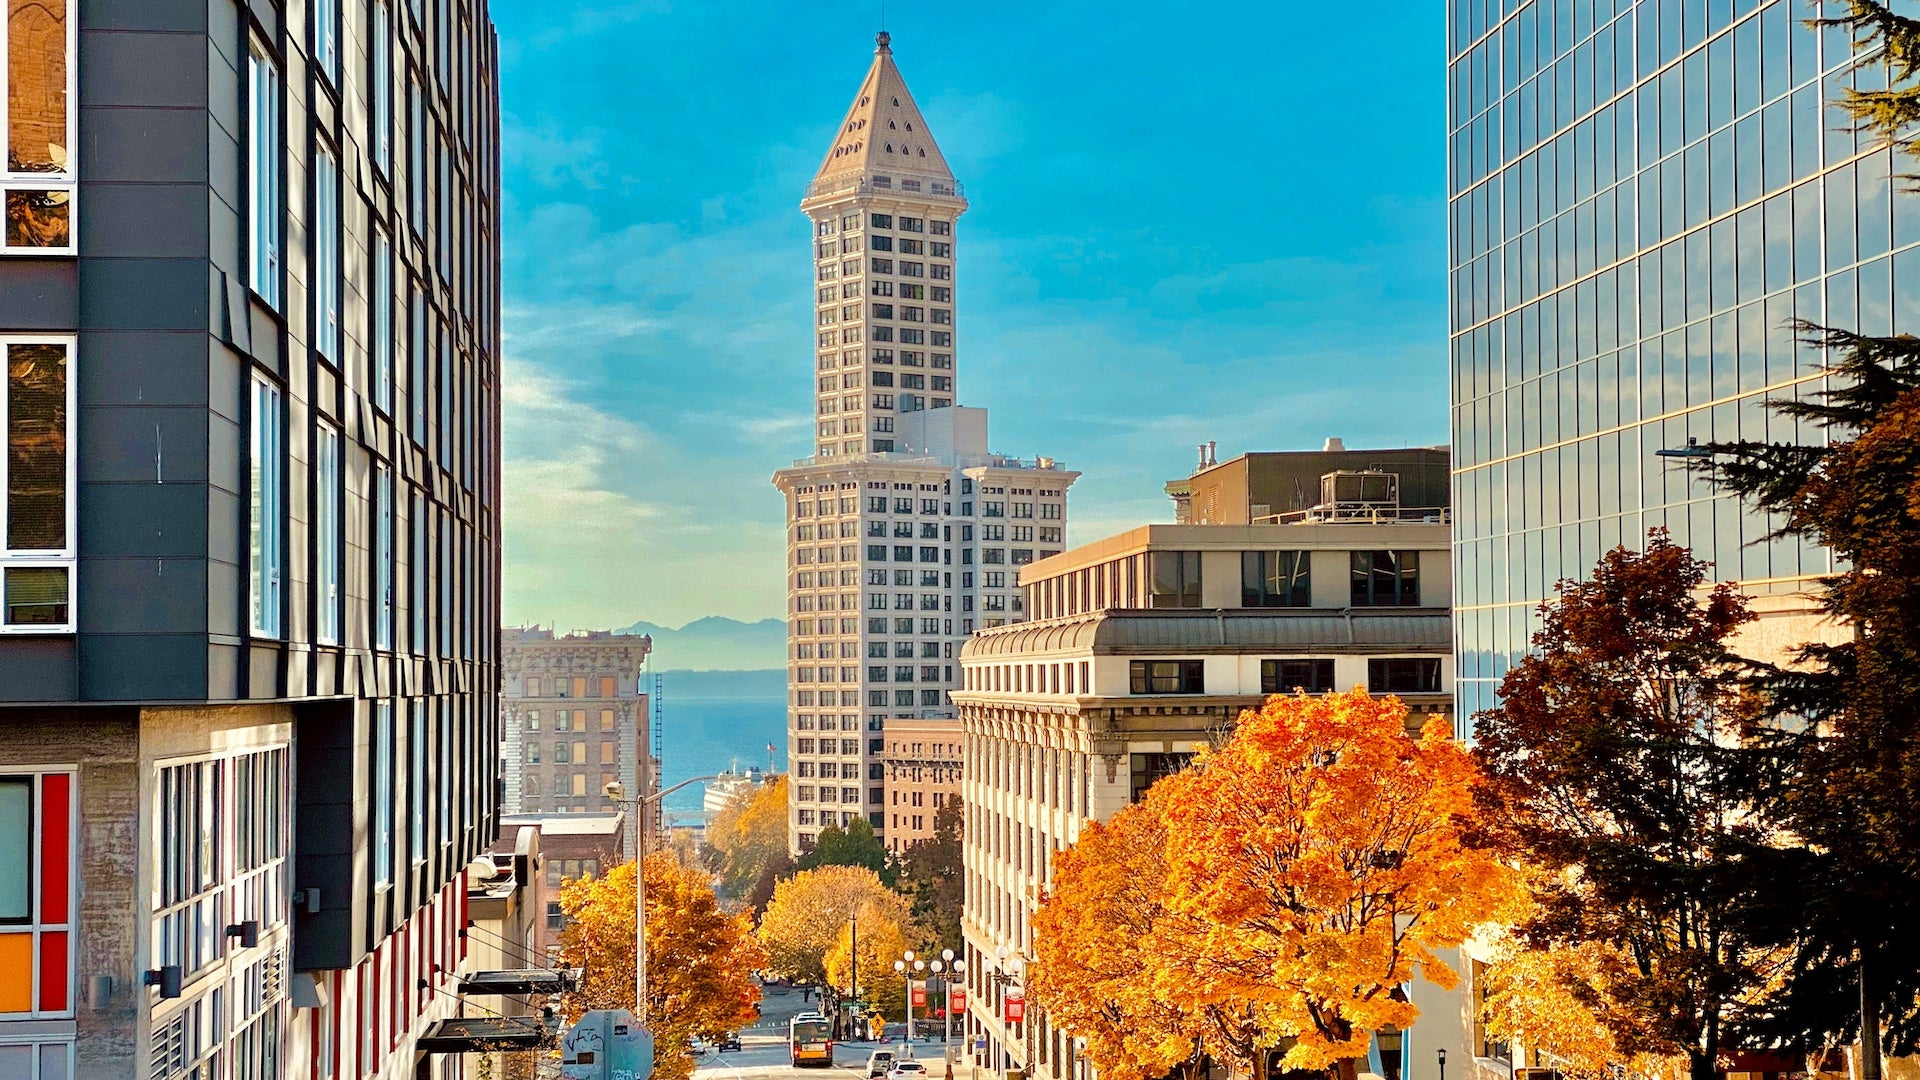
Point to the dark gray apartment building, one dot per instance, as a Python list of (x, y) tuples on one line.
[(1643, 196), (249, 728)]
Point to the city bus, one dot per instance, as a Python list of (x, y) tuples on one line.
[(810, 1040)]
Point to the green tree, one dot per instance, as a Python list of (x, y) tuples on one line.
[(1848, 710), (854, 845), (1621, 760), (933, 879)]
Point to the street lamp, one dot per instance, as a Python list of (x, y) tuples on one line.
[(952, 967), (616, 792), (902, 966), (1011, 970)]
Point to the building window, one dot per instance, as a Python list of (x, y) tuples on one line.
[(220, 833), (383, 88), (1176, 579), (1416, 675), (326, 255), (326, 38), (263, 177), (417, 574), (37, 174), (326, 536), (383, 793), (416, 156), (1166, 676), (417, 365), (36, 484), (383, 557), (1147, 769), (1386, 579), (416, 795), (1275, 579), (1286, 676), (37, 894), (382, 322), (267, 512)]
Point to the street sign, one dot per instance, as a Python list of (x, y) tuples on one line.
[(606, 1044)]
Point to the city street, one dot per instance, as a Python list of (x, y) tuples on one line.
[(763, 1047), (763, 1053)]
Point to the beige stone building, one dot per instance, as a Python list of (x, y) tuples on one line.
[(575, 719), (1145, 647), (904, 530), (922, 768)]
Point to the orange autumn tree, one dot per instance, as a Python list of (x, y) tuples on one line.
[(1097, 972), (1324, 849), (700, 960)]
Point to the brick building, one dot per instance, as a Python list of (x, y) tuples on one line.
[(921, 769), (576, 719), (571, 846), (249, 541)]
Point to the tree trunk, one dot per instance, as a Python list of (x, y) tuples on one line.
[(1869, 1022), (1702, 1066)]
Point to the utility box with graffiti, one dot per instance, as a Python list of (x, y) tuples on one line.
[(606, 1044)]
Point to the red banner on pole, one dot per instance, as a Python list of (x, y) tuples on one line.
[(957, 999), (1016, 1006), (919, 995)]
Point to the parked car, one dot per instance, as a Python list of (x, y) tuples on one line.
[(728, 1043), (907, 1070), (878, 1063)]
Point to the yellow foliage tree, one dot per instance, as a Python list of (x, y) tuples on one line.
[(750, 833), (1544, 999), (700, 960), (811, 909), (1323, 850), (883, 938), (1097, 970)]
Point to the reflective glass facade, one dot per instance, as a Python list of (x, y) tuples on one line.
[(1642, 196)]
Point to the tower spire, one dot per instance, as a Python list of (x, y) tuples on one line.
[(883, 132)]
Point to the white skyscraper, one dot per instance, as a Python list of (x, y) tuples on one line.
[(904, 532)]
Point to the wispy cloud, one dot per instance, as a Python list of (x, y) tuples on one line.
[(1231, 255)]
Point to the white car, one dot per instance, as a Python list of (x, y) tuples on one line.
[(907, 1070), (878, 1063)]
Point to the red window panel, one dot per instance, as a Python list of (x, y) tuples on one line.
[(339, 1008), (54, 986), (56, 851), (397, 973)]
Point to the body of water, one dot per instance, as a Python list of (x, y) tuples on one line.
[(702, 736)]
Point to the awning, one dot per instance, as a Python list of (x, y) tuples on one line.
[(521, 982), (479, 1034)]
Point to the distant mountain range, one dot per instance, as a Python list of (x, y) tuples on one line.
[(716, 643)]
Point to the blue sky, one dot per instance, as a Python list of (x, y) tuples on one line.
[(1194, 222)]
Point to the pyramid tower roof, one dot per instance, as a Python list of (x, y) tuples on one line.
[(883, 131)]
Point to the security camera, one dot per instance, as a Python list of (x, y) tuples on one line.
[(615, 790)]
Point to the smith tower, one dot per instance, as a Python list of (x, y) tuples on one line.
[(904, 533)]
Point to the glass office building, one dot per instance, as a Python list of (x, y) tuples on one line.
[(1642, 197)]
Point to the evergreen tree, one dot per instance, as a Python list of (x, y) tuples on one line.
[(933, 878), (1849, 710)]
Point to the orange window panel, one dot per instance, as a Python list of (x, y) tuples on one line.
[(16, 973)]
